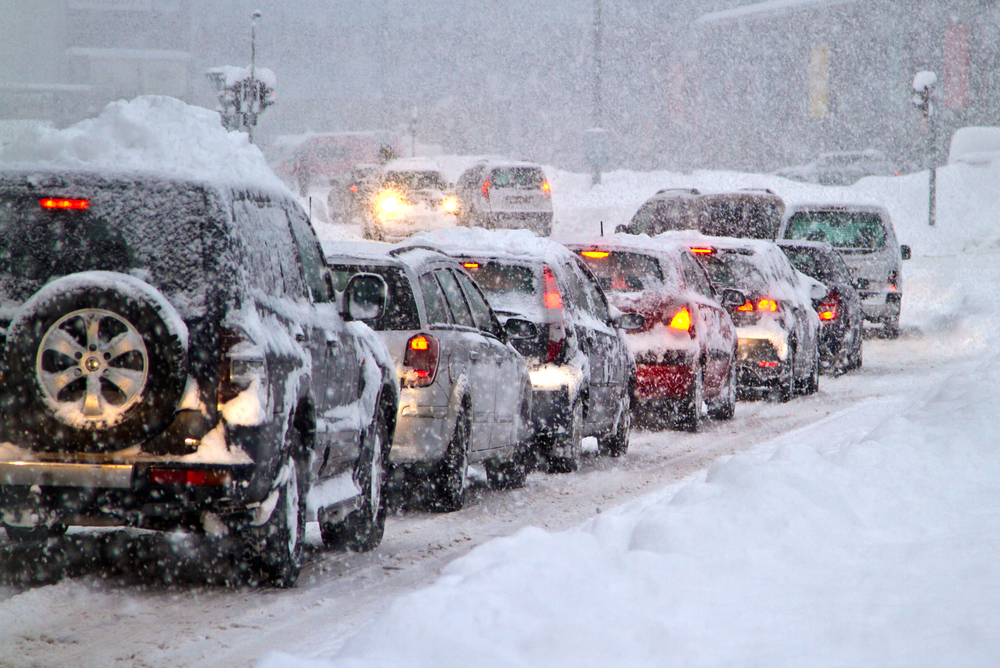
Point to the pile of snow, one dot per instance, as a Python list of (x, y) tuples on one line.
[(153, 133), (868, 538), (975, 145)]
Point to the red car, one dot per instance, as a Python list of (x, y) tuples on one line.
[(685, 352)]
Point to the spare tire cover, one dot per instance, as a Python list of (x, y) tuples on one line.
[(97, 361)]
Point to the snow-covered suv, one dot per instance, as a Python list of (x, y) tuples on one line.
[(174, 356)]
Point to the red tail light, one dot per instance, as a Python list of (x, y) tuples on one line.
[(191, 477), (354, 187), (56, 203), (422, 352), (486, 189), (702, 251), (747, 306), (595, 255), (553, 299), (546, 189), (471, 265), (681, 320), (829, 307), (894, 280)]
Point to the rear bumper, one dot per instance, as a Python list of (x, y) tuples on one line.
[(880, 306), (422, 436), (664, 381), (759, 364)]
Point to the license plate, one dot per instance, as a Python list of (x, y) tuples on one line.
[(519, 199)]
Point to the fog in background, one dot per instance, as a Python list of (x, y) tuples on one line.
[(682, 84)]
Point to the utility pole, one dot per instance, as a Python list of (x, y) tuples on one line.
[(255, 101), (595, 140), (923, 100)]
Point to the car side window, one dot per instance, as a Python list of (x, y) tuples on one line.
[(309, 255), (694, 277), (434, 302), (599, 304), (575, 294), (453, 293), (481, 311)]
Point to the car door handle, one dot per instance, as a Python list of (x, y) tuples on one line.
[(473, 355)]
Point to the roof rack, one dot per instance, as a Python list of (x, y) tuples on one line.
[(396, 252)]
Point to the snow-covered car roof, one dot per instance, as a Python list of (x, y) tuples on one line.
[(861, 207), (411, 165), (512, 244), (634, 242), (503, 162)]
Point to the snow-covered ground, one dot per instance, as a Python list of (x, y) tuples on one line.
[(855, 527)]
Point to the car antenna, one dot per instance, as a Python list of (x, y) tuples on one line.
[(310, 208), (602, 228)]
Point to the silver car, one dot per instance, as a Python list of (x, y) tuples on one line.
[(465, 392), (505, 194), (864, 237)]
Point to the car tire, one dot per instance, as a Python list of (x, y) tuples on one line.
[(724, 408), (362, 530), (812, 384), (117, 327), (786, 389), (615, 442), (857, 357), (511, 474), (569, 440), (689, 409), (277, 544), (452, 472), (890, 328)]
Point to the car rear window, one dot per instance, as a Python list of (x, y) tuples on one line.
[(507, 286), (619, 271), (734, 270), (517, 177), (840, 229), (664, 215), (815, 263), (743, 218), (153, 230), (400, 312)]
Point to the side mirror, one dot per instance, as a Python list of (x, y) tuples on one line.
[(365, 297), (732, 298), (904, 252), (519, 329), (621, 229), (818, 291), (630, 321)]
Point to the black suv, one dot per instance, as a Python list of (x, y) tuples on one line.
[(174, 356)]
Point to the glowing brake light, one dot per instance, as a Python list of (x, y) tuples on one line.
[(422, 352), (471, 265), (553, 299), (828, 307), (486, 189), (596, 255), (681, 320), (748, 306), (55, 203), (191, 477), (766, 304), (545, 187), (702, 251)]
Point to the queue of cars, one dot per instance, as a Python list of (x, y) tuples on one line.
[(210, 368)]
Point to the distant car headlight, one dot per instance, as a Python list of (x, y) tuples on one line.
[(389, 204), (449, 205)]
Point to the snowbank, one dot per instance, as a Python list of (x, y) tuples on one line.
[(868, 538), (148, 134)]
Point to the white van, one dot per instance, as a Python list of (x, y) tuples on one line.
[(864, 237)]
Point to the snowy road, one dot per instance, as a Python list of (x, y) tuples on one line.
[(157, 607)]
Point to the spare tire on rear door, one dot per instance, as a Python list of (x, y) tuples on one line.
[(95, 361)]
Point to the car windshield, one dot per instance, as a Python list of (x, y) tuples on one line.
[(517, 177), (817, 264), (150, 229), (415, 180), (619, 271), (400, 312), (840, 229)]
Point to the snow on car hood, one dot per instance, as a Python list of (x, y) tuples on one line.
[(152, 134)]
